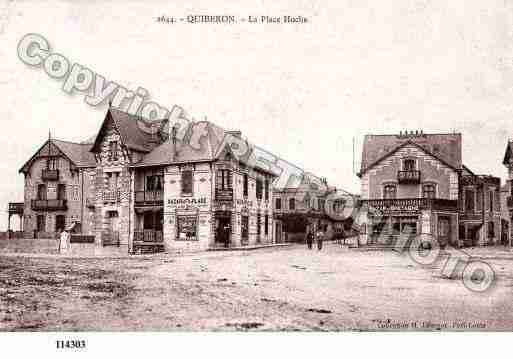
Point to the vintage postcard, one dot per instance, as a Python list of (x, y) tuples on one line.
[(272, 166)]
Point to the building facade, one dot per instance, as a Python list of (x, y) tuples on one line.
[(310, 206), (416, 183), (148, 191)]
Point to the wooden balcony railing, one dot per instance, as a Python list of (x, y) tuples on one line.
[(111, 195), (224, 194), (408, 177), (49, 175), (49, 204), (16, 207), (149, 198), (148, 236), (410, 204)]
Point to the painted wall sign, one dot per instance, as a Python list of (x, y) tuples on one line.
[(182, 203)]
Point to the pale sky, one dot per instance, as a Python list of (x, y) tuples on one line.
[(301, 91)]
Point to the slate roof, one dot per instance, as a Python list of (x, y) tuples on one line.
[(207, 148), (445, 147), (129, 128), (78, 153)]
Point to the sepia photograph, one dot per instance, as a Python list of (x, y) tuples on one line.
[(255, 169)]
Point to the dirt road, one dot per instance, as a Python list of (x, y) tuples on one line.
[(268, 289)]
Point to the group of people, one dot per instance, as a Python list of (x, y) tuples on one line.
[(318, 237)]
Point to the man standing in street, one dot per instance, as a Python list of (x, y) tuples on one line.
[(319, 238), (309, 238)]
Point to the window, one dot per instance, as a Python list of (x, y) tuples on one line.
[(266, 189), (259, 224), (321, 202), (491, 230), (409, 164), (41, 223), (224, 179), (266, 224), (60, 223), (389, 191), (154, 183), (187, 182), (186, 228), (53, 163), (292, 204), (113, 149), (61, 191), (245, 185), (429, 191), (259, 187), (278, 203), (41, 192), (469, 200), (113, 180), (490, 195)]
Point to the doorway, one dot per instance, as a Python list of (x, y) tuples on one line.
[(223, 230)]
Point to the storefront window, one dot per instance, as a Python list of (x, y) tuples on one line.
[(186, 228)]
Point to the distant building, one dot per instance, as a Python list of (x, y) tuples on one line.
[(416, 182), (311, 205)]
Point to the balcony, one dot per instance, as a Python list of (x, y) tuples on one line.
[(408, 177), (148, 236), (410, 204), (225, 195), (49, 175), (149, 198), (16, 207), (49, 205), (111, 195)]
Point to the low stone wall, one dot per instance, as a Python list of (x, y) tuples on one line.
[(21, 245)]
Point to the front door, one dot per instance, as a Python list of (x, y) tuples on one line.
[(278, 232), (444, 230), (223, 231), (244, 230), (113, 226)]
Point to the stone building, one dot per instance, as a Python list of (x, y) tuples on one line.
[(310, 205), (417, 183), (138, 188), (57, 180)]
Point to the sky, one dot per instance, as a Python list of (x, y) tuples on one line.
[(301, 91)]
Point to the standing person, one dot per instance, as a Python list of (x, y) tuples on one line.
[(319, 238), (309, 238), (64, 242)]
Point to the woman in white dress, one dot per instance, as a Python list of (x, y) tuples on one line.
[(64, 242)]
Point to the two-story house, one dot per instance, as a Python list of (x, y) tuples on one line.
[(196, 198), (57, 179), (416, 183)]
